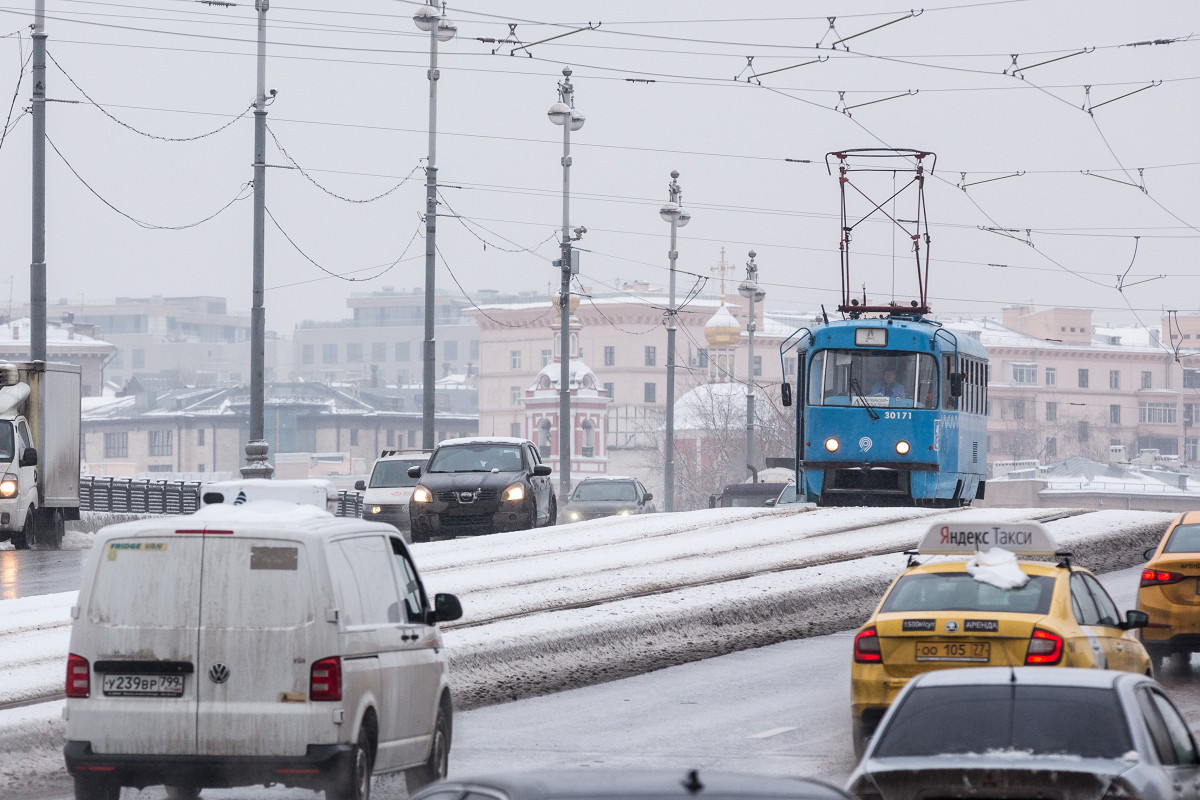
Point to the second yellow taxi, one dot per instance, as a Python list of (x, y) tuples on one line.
[(1170, 590), (989, 609)]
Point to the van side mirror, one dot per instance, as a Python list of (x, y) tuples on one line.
[(414, 471), (446, 608), (360, 486), (786, 391), (28, 457), (1135, 619), (542, 469)]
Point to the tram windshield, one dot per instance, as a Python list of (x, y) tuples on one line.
[(872, 378)]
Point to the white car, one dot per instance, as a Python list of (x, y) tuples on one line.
[(260, 643), (387, 492), (1085, 734)]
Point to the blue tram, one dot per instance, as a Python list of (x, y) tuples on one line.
[(890, 411)]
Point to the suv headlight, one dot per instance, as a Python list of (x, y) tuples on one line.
[(8, 485), (514, 492), (421, 495)]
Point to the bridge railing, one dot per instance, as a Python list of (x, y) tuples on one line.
[(143, 496)]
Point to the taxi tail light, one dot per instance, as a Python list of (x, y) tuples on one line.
[(866, 647), (1044, 648), (325, 682), (1160, 577), (79, 676)]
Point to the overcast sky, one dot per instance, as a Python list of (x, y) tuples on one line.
[(1102, 195)]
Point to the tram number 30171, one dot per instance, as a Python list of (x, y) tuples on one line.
[(897, 415)]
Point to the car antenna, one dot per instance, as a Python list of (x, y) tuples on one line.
[(692, 783)]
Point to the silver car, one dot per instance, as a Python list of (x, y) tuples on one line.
[(1030, 732)]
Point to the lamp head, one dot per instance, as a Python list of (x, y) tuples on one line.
[(577, 120), (559, 113), (426, 17), (446, 30)]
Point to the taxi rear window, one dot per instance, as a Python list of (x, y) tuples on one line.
[(1184, 539), (957, 591)]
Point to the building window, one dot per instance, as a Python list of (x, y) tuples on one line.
[(514, 395), (1147, 379), (306, 354), (702, 358), (473, 348), (1018, 409), (1024, 373), (1083, 430), (329, 354), (1083, 379), (610, 356), (412, 439), (200, 436), (1157, 413), (757, 366), (354, 437), (1051, 411), (1114, 379), (1191, 413), (514, 430), (1191, 378), (514, 359), (450, 350), (159, 468), (609, 389), (116, 445), (161, 443), (649, 393), (1114, 415), (1051, 449), (1191, 449), (354, 352), (547, 357), (391, 438), (404, 351), (1051, 376), (378, 351), (651, 355)]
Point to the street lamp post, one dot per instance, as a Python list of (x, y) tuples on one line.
[(564, 113), (440, 29), (749, 289), (674, 213)]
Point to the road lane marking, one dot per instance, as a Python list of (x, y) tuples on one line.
[(770, 733)]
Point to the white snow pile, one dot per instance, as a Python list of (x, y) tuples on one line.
[(997, 567)]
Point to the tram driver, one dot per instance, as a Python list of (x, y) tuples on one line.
[(888, 387)]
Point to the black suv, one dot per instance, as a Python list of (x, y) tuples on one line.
[(481, 485)]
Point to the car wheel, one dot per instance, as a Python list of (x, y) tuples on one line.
[(28, 533), (355, 784), (420, 533), (552, 517), (438, 763), (90, 787)]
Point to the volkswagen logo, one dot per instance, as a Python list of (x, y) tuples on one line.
[(865, 443), (218, 673), (951, 626)]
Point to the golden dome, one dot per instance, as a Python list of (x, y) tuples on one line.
[(722, 330), (572, 304)]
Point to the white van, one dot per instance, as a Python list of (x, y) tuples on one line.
[(262, 643), (317, 492), (388, 491)]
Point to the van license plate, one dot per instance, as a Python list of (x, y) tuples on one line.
[(954, 651), (143, 685)]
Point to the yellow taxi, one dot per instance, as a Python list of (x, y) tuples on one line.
[(1170, 590), (989, 609)]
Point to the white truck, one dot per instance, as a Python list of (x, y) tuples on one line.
[(39, 451)]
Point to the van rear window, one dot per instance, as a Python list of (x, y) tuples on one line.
[(256, 584), (147, 583)]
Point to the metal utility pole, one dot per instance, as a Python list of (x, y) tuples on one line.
[(674, 213), (563, 113), (37, 267), (440, 29), (257, 465), (749, 289)]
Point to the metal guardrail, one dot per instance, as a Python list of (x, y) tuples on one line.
[(141, 496)]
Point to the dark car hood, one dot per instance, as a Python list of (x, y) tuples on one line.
[(460, 481)]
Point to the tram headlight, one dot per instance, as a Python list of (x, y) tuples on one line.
[(902, 447), (832, 444)]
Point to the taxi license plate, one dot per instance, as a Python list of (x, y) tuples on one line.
[(954, 651), (143, 685)]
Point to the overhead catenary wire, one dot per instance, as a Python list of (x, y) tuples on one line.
[(325, 189), (343, 276)]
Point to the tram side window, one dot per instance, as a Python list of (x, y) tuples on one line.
[(949, 401)]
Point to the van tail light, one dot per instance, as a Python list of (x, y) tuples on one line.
[(79, 676), (1159, 577), (326, 680), (866, 647), (1044, 648)]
